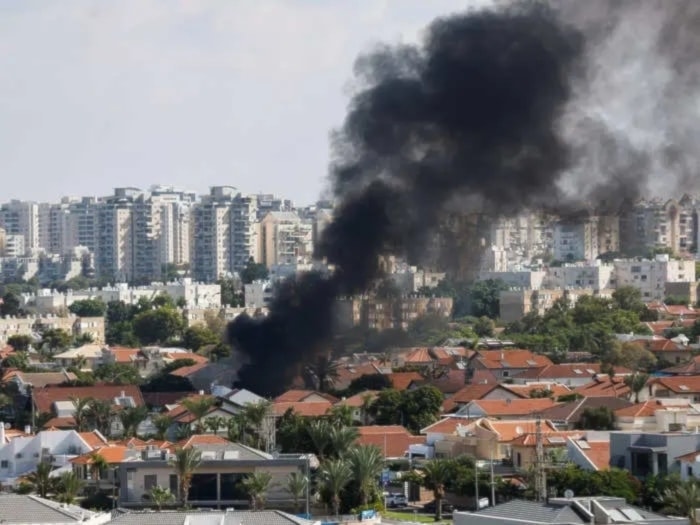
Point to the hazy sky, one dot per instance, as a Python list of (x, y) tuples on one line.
[(102, 93)]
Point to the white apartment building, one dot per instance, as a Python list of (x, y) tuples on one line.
[(521, 237), (225, 233), (115, 247), (285, 238), (651, 276), (258, 294), (21, 218), (596, 276), (660, 224), (523, 279), (15, 246)]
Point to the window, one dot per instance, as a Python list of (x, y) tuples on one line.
[(4, 464), (149, 481), (173, 483)]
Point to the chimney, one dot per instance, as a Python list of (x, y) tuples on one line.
[(2, 433)]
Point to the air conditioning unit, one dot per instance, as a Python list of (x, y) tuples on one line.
[(18, 455)]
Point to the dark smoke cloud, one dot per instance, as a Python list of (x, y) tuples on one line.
[(578, 106), (471, 115)]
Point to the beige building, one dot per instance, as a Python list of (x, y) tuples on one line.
[(285, 238), (515, 304), (33, 325), (381, 314)]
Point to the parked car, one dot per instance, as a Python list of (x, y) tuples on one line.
[(446, 507), (396, 500)]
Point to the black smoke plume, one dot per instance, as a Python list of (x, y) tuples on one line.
[(467, 119)]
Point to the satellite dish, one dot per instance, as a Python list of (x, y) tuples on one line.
[(568, 493)]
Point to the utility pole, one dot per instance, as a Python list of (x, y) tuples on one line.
[(493, 483), (476, 484)]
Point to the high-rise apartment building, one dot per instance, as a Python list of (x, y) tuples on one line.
[(114, 254), (225, 233), (22, 218), (285, 238), (656, 224)]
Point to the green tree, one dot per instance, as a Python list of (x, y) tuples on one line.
[(118, 374), (683, 500), (296, 486), (320, 431), (257, 418), (10, 305), (421, 407), (437, 472), (18, 360), (196, 337), (231, 293), (324, 371), (253, 272), (199, 407), (19, 343), (366, 462), (55, 339), (631, 355), (161, 496), (256, 486), (100, 414), (628, 298), (70, 486), (636, 383), (98, 464), (335, 475), (485, 297), (158, 326), (341, 439), (131, 418), (341, 415), (81, 413), (186, 461), (88, 308), (162, 422), (163, 300), (215, 423), (601, 418), (484, 327), (41, 480), (386, 409)]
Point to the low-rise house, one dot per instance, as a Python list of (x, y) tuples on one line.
[(539, 389), (360, 404), (505, 408), (506, 363), (554, 446), (60, 402), (23, 509), (688, 368), (25, 381), (659, 415), (666, 350), (475, 391), (203, 376), (447, 381), (394, 441), (216, 480), (683, 387), (347, 372), (87, 357), (567, 416), (590, 452), (444, 428), (596, 510), (604, 386), (690, 465), (402, 380), (308, 403), (21, 455), (650, 453), (569, 374)]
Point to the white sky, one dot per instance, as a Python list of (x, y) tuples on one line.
[(102, 93)]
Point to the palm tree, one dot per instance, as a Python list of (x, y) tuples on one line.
[(81, 413), (100, 414), (160, 496), (183, 432), (256, 417), (41, 480), (256, 485), (98, 464), (636, 383), (366, 462), (162, 422), (131, 418), (437, 472), (70, 485), (319, 432), (325, 370), (365, 408), (199, 407), (683, 500), (335, 475), (297, 486), (341, 415), (234, 428), (186, 462), (341, 439), (214, 424)]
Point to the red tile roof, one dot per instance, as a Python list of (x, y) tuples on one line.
[(527, 390), (44, 398), (659, 327), (513, 407), (447, 425), (359, 399), (511, 358), (202, 439), (690, 457), (679, 384), (347, 372), (597, 452), (93, 439), (303, 408), (401, 380), (604, 387), (300, 396), (124, 355), (418, 356), (661, 344), (692, 367), (392, 440), (186, 371), (569, 371), (646, 409), (509, 430), (111, 453), (448, 382), (474, 391), (549, 439), (198, 359)]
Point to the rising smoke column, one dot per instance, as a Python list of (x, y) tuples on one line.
[(468, 119)]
